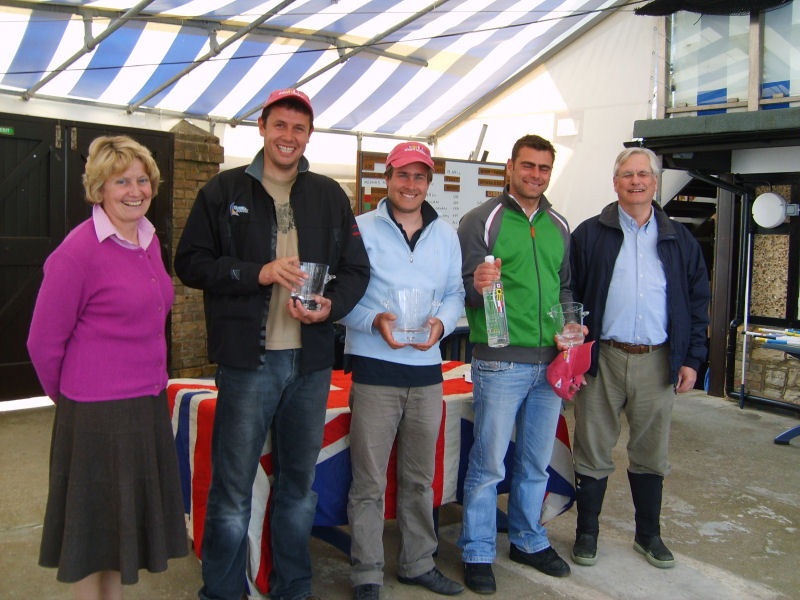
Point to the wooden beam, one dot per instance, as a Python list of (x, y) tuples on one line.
[(721, 289), (754, 52)]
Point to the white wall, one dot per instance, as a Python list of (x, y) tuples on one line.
[(603, 82)]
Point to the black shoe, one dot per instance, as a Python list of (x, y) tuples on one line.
[(547, 561), (654, 550), (480, 578), (435, 581), (366, 591), (584, 551)]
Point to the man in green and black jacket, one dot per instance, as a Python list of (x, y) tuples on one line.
[(530, 241)]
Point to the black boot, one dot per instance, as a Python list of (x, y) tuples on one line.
[(589, 501), (646, 491)]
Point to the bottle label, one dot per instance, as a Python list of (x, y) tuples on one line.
[(495, 307), (499, 300)]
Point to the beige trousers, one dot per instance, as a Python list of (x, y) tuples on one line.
[(638, 385), (381, 414)]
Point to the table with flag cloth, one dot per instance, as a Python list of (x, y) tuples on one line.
[(192, 403)]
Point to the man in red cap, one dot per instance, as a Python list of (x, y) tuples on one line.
[(396, 393), (245, 237)]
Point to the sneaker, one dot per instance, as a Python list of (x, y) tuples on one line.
[(584, 552), (654, 550), (480, 578), (435, 581), (547, 561), (366, 591)]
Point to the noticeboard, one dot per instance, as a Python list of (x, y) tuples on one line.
[(458, 186)]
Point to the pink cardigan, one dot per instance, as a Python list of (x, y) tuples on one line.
[(98, 327)]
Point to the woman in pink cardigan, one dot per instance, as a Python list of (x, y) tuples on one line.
[(97, 343)]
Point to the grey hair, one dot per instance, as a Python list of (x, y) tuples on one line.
[(628, 152)]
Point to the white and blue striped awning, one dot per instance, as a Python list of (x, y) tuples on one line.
[(408, 67)]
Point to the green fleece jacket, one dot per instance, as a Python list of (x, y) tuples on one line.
[(535, 272)]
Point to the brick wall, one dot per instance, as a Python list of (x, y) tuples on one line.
[(197, 159), (770, 373)]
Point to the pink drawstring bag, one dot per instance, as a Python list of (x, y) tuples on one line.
[(564, 373)]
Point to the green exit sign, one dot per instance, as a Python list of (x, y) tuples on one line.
[(5, 130)]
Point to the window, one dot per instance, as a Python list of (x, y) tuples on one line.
[(781, 54), (709, 60)]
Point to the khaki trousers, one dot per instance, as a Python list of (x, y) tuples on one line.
[(379, 415), (638, 385)]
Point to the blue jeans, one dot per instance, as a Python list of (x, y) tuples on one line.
[(250, 401), (506, 395)]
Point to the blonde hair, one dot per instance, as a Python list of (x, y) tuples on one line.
[(109, 155)]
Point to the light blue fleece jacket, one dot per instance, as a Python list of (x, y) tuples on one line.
[(435, 263)]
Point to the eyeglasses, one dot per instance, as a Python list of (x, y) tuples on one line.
[(630, 174)]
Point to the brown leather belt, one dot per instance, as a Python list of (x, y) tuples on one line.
[(633, 348)]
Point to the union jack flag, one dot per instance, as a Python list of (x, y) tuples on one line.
[(192, 405)]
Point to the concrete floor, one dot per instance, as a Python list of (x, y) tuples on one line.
[(731, 516)]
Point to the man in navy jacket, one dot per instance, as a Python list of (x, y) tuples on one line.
[(642, 278)]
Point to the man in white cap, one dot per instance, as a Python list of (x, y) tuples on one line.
[(245, 237), (396, 393)]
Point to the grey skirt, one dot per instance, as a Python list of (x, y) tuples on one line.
[(115, 501)]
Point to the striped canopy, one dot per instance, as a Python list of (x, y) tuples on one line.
[(408, 67)]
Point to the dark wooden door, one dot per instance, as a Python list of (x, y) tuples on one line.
[(41, 200), (32, 177)]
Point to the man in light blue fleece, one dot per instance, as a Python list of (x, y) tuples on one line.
[(397, 385)]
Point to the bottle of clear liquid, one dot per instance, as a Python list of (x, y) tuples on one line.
[(495, 306)]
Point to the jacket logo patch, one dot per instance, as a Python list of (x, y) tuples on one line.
[(237, 210)]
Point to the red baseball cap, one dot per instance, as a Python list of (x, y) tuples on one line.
[(289, 93), (565, 370), (409, 152)]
